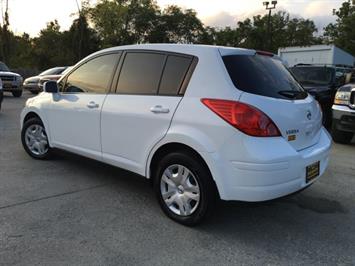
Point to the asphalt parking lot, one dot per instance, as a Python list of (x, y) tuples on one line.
[(75, 211)]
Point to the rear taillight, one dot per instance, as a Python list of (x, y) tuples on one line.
[(244, 117)]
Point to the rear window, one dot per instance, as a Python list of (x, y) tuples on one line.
[(263, 75)]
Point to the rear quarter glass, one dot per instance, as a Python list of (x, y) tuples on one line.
[(261, 75)]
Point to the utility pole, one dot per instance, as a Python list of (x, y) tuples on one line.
[(80, 22), (267, 7)]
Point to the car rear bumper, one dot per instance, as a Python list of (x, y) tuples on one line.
[(272, 177), (344, 118)]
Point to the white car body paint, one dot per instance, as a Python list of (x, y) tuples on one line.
[(123, 130)]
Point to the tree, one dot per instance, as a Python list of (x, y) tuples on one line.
[(179, 26), (109, 19), (342, 32), (81, 40), (252, 33), (50, 49), (5, 33)]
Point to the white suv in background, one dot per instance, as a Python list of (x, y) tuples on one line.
[(201, 122)]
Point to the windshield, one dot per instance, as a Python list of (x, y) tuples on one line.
[(313, 75), (4, 67), (53, 71), (262, 75)]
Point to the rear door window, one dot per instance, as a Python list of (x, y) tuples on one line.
[(141, 73), (262, 75)]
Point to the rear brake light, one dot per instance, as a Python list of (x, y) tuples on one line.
[(265, 53), (244, 117)]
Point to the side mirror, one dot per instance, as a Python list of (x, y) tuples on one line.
[(50, 87)]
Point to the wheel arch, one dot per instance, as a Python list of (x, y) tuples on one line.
[(35, 113), (31, 115), (169, 147)]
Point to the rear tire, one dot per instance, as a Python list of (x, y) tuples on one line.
[(17, 94), (342, 137), (34, 139), (186, 202)]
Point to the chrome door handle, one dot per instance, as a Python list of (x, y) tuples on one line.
[(92, 105), (158, 109)]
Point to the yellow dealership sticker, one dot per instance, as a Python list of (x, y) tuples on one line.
[(291, 137)]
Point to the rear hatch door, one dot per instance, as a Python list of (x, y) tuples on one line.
[(269, 86)]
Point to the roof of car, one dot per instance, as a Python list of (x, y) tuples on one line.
[(193, 49)]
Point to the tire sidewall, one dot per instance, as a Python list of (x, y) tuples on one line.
[(17, 94), (342, 137), (203, 178), (28, 123)]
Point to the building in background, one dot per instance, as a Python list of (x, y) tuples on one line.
[(316, 54)]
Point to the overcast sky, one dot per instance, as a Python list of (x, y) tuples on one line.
[(32, 15)]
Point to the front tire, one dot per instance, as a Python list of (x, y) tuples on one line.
[(184, 187), (34, 139), (342, 137), (17, 94)]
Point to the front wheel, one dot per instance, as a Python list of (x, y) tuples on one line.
[(34, 139), (17, 93), (185, 189)]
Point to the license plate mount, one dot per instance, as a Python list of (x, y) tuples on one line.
[(312, 171)]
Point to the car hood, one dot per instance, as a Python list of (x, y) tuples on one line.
[(34, 79), (4, 73), (51, 77)]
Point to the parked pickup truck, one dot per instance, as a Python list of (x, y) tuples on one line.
[(12, 82), (343, 126), (322, 83)]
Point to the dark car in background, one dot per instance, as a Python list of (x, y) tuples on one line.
[(11, 82), (322, 83), (33, 83)]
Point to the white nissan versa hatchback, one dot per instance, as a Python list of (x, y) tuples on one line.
[(201, 122)]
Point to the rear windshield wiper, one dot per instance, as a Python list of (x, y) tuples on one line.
[(293, 94)]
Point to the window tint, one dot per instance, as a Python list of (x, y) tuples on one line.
[(4, 67), (141, 73), (174, 72), (262, 75), (313, 75), (92, 77)]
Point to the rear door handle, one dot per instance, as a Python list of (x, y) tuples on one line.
[(92, 105), (158, 109)]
